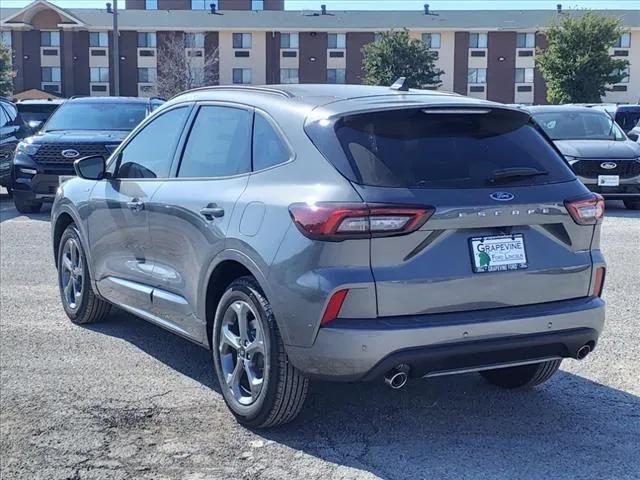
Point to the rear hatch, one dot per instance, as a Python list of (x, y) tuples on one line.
[(500, 235)]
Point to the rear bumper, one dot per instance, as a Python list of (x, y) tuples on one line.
[(353, 350)]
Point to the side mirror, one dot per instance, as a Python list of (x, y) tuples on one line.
[(35, 125), (90, 168), (633, 136)]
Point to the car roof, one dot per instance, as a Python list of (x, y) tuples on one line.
[(563, 108), (42, 101), (111, 100)]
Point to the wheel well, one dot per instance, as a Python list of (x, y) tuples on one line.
[(223, 275), (63, 221)]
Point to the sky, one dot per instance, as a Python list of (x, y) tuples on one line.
[(397, 4)]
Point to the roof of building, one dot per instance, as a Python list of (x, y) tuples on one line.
[(351, 20)]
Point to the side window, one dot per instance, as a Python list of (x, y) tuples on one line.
[(12, 113), (4, 118), (268, 148), (150, 152), (219, 144)]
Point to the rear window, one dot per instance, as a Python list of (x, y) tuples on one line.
[(628, 119), (38, 112), (429, 148)]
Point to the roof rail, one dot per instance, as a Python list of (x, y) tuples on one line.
[(240, 88)]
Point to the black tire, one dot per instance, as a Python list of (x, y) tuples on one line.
[(24, 206), (90, 308), (632, 203), (522, 376), (284, 388)]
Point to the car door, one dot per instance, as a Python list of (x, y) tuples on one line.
[(118, 217), (191, 212)]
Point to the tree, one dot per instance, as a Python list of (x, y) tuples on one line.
[(6, 71), (576, 64), (395, 54), (178, 72)]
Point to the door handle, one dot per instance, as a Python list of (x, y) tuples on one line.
[(135, 205), (212, 211)]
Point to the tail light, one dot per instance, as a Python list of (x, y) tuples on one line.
[(587, 211), (332, 310), (339, 221), (598, 283)]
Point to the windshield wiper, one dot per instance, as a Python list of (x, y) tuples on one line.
[(513, 173)]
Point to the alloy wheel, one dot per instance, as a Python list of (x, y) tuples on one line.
[(72, 274)]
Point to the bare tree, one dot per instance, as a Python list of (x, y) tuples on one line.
[(178, 71)]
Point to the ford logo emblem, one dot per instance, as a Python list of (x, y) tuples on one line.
[(502, 196), (70, 153), (608, 165)]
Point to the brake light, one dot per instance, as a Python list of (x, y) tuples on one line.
[(586, 211), (339, 221), (598, 283), (333, 307)]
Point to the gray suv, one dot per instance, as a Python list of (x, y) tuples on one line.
[(345, 233)]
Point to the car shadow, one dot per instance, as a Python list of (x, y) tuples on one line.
[(8, 210), (447, 427)]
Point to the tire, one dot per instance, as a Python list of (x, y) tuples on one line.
[(522, 376), (632, 203), (80, 303), (24, 206), (282, 388)]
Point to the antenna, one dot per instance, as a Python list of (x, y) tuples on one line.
[(400, 85)]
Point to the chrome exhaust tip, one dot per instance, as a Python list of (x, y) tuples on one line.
[(397, 377), (583, 351)]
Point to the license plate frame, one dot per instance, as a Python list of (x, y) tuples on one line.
[(608, 180), (511, 258)]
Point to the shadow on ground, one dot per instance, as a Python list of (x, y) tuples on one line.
[(8, 210), (448, 427)]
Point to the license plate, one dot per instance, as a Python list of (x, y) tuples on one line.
[(498, 254), (608, 180), (64, 178)]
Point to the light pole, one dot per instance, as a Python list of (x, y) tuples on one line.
[(116, 47)]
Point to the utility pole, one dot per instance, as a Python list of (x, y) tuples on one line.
[(116, 51)]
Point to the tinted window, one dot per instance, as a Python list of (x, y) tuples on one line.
[(628, 119), (39, 112), (97, 116), (219, 143), (422, 149), (150, 152), (579, 125), (268, 147)]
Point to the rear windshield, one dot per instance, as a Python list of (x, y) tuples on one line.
[(97, 116), (39, 112), (422, 148), (628, 119), (579, 126)]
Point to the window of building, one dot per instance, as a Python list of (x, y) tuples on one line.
[(147, 75), (431, 40), (200, 4), (219, 143), (99, 74), (242, 76), (98, 39), (478, 40), (51, 74), (624, 41), (336, 75), (257, 4), (151, 4), (477, 75), (289, 40), (625, 73), (242, 40), (50, 39), (336, 40), (268, 147), (526, 40), (147, 40), (524, 75), (150, 153), (289, 75), (5, 38), (194, 40)]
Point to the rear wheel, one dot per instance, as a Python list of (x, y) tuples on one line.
[(259, 384), (632, 203), (522, 376), (24, 206)]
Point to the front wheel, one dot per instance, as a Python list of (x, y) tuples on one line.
[(259, 384), (522, 376), (632, 203)]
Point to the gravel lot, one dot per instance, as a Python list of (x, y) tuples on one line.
[(125, 399)]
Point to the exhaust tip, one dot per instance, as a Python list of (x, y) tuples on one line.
[(397, 377), (583, 352)]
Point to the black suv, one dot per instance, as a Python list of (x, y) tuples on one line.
[(12, 130), (80, 127)]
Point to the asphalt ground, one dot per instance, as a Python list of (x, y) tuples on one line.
[(126, 399)]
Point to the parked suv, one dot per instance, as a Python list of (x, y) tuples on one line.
[(340, 232), (80, 127), (12, 130), (599, 152)]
